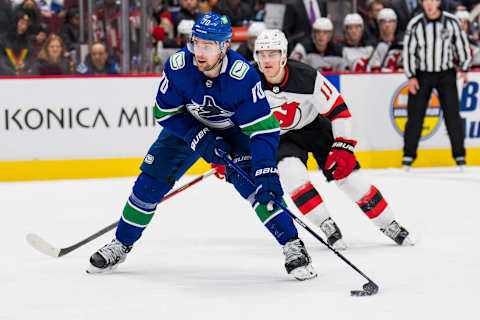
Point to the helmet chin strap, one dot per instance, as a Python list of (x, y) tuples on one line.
[(219, 60)]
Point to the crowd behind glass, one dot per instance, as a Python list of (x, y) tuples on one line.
[(42, 37)]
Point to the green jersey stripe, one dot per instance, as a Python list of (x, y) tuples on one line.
[(135, 216), (162, 114), (256, 120), (268, 124)]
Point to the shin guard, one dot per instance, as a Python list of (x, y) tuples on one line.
[(140, 208), (277, 221)]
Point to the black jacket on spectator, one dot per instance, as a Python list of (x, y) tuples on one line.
[(403, 16), (241, 13), (184, 15), (69, 33), (6, 14), (245, 51), (44, 68), (14, 48), (296, 21)]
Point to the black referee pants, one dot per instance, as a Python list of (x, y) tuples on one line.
[(446, 84)]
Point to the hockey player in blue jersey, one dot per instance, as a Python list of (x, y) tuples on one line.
[(209, 99)]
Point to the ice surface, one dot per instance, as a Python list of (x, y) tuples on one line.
[(206, 255)]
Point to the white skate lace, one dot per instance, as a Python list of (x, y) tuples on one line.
[(292, 250), (114, 251)]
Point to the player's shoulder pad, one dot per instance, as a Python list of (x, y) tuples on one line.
[(178, 60), (301, 77), (301, 69), (239, 67)]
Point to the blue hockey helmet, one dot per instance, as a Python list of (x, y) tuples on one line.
[(212, 26)]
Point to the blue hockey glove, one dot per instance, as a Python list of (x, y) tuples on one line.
[(267, 183), (204, 142)]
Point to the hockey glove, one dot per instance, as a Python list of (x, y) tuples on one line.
[(267, 183), (220, 170), (341, 161), (206, 143)]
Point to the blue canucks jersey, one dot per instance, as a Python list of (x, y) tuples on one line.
[(232, 102)]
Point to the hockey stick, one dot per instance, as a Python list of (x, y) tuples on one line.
[(369, 288), (43, 246)]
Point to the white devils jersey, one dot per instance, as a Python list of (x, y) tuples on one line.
[(357, 57), (328, 61), (386, 58), (475, 53), (303, 95)]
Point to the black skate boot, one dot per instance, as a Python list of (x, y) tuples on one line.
[(333, 234), (108, 257), (297, 260), (397, 233)]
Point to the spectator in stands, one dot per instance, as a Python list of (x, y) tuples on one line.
[(107, 25), (97, 62), (16, 46), (37, 27), (6, 14), (239, 12), (51, 59), (70, 31), (184, 31), (356, 51), (188, 11), (371, 26), (405, 10), (299, 17), (463, 16), (205, 6), (318, 50), (163, 18), (246, 48), (259, 10), (387, 55)]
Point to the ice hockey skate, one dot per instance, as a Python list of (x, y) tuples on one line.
[(333, 234), (108, 257), (297, 260), (398, 234)]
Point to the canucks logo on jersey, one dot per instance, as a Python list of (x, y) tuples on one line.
[(209, 113)]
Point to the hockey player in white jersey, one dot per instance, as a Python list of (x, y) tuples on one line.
[(314, 118), (319, 50), (387, 56), (356, 51)]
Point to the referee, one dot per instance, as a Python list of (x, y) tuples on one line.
[(433, 40)]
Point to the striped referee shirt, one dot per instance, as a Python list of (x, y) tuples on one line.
[(433, 45)]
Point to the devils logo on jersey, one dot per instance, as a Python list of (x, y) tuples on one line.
[(288, 115), (209, 113)]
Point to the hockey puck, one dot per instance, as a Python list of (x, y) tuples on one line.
[(369, 289), (358, 293)]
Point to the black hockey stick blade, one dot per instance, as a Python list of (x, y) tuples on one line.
[(369, 289)]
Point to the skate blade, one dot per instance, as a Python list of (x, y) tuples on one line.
[(339, 245), (408, 241), (93, 270), (304, 273)]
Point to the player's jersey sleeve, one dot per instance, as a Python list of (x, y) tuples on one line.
[(257, 121), (169, 110), (330, 104)]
